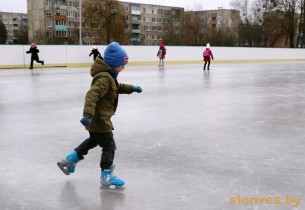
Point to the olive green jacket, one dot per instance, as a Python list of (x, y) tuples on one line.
[(102, 98)]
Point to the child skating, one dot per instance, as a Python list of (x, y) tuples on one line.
[(161, 54), (34, 55), (100, 105), (207, 55)]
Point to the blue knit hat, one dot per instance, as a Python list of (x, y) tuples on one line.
[(115, 55)]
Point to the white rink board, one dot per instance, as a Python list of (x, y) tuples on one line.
[(75, 54)]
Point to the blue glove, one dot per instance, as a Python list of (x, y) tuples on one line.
[(136, 89), (86, 121)]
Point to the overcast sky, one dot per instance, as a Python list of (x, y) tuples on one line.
[(20, 5)]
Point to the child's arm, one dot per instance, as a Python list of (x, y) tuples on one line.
[(128, 89)]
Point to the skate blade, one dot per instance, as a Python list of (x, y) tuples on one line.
[(62, 167), (116, 189)]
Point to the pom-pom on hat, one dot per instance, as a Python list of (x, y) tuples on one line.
[(33, 45), (208, 45), (115, 55)]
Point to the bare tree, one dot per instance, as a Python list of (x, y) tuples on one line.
[(302, 25), (106, 17), (3, 32), (289, 7), (244, 29), (193, 28)]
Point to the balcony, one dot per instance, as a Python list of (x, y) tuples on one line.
[(61, 28), (136, 22), (135, 12), (135, 39), (135, 31), (60, 17)]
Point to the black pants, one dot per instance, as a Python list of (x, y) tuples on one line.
[(205, 63), (37, 60), (104, 140)]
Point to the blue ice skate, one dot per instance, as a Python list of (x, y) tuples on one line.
[(108, 179), (68, 164)]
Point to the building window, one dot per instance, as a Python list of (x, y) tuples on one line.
[(48, 23), (48, 13), (61, 34), (70, 14), (49, 34), (230, 23), (61, 23), (70, 34), (70, 3), (58, 3), (135, 8), (48, 3), (149, 11), (70, 24), (148, 28), (148, 19)]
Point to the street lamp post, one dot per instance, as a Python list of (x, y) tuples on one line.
[(80, 22)]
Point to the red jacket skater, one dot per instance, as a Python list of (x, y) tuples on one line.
[(162, 51), (207, 54)]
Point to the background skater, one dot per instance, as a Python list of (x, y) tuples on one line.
[(101, 102), (207, 55), (34, 57), (161, 54), (95, 53)]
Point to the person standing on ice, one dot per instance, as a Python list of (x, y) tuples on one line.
[(207, 55), (34, 55), (95, 53), (161, 54), (101, 102)]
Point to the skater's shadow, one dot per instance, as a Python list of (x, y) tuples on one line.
[(68, 196), (112, 200), (36, 72), (161, 73), (206, 78)]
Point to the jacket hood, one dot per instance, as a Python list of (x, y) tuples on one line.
[(98, 67)]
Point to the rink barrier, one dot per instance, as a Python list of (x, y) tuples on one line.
[(145, 63), (78, 56)]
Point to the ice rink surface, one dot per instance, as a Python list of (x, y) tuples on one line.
[(192, 140)]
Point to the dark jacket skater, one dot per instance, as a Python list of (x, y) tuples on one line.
[(95, 53), (34, 57)]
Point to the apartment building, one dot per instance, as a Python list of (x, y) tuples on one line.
[(148, 24), (57, 22), (220, 19), (53, 21), (16, 26)]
